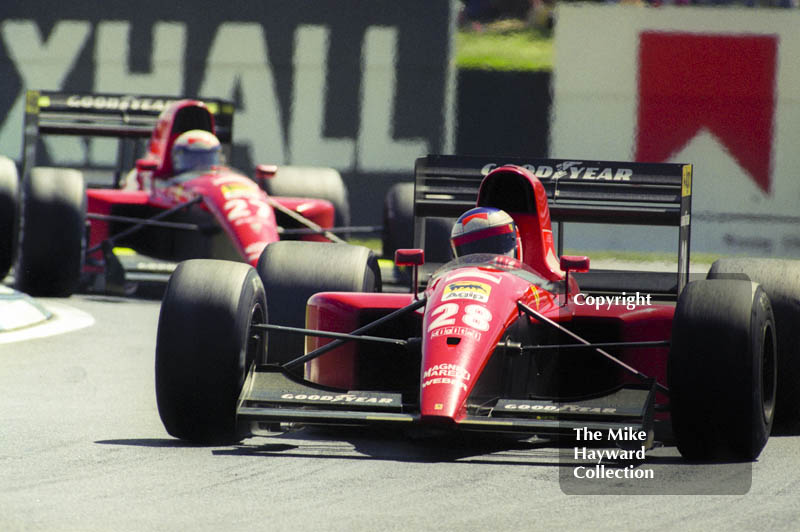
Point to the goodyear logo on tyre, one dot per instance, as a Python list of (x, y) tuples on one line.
[(473, 290)]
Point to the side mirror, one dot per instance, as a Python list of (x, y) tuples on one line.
[(578, 264), (572, 264), (146, 165), (409, 257), (266, 171)]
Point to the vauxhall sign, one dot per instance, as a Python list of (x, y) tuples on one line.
[(364, 87)]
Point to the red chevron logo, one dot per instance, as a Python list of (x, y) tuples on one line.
[(723, 83)]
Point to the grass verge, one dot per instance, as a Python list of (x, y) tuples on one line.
[(519, 49)]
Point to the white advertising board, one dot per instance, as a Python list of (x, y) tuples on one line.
[(714, 87)]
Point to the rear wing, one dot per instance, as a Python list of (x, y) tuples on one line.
[(606, 192), (127, 117)]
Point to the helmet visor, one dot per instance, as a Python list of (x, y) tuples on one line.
[(188, 159)]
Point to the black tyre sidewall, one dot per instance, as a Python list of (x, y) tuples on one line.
[(51, 235), (201, 348), (9, 186), (398, 219), (294, 271), (780, 279), (313, 182), (398, 226), (716, 370)]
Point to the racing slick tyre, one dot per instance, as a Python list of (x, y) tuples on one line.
[(780, 279), (51, 234), (398, 226), (722, 370), (9, 181), (293, 271), (398, 219), (205, 347), (312, 182)]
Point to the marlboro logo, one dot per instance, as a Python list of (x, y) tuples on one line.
[(721, 83)]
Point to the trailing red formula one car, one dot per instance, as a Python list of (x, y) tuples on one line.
[(178, 202), (494, 343)]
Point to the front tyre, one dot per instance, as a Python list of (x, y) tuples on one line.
[(294, 271), (205, 347), (722, 370)]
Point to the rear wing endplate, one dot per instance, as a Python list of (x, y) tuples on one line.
[(607, 192)]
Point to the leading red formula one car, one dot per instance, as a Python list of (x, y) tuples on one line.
[(179, 201), (494, 343)]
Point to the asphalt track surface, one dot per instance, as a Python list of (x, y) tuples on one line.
[(82, 448)]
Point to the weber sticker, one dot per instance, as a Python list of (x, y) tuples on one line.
[(444, 373), (473, 290)]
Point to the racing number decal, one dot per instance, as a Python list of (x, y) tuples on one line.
[(236, 208), (475, 316), (446, 312), (240, 208)]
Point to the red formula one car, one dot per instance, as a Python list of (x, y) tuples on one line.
[(522, 344), (178, 202)]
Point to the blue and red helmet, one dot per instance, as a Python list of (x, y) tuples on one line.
[(485, 230), (195, 149)]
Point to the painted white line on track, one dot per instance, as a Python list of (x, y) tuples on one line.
[(65, 319)]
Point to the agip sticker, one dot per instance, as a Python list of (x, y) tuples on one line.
[(472, 290), (237, 190)]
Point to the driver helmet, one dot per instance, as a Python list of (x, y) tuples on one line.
[(485, 230), (195, 149)]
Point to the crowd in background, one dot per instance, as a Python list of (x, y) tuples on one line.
[(539, 12)]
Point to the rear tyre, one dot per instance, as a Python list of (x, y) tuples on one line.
[(722, 370), (437, 239), (51, 235), (780, 279), (398, 226), (293, 271), (398, 219), (312, 182), (205, 347), (9, 182)]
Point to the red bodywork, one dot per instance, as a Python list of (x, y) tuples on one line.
[(231, 201), (472, 306)]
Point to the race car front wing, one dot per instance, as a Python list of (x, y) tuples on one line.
[(271, 395)]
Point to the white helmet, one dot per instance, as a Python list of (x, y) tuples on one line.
[(195, 149)]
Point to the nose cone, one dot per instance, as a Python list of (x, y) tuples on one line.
[(465, 317), (445, 387)]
